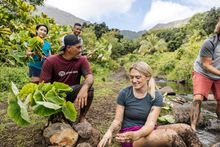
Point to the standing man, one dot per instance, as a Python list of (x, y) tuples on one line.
[(206, 75), (68, 67), (77, 28)]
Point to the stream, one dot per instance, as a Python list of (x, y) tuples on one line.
[(184, 90)]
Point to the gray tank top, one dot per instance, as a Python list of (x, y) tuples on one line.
[(210, 48)]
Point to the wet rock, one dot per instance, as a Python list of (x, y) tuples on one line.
[(84, 129), (168, 90), (209, 105), (60, 134), (216, 145), (181, 113), (213, 126)]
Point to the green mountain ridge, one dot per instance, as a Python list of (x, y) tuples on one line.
[(61, 17)]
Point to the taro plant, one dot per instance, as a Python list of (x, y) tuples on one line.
[(44, 99), (165, 116)]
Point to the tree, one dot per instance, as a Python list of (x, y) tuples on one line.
[(151, 45), (211, 20), (35, 2), (100, 29)]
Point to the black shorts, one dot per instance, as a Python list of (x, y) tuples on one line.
[(34, 72), (71, 96)]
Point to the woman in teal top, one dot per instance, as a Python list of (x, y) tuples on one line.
[(38, 50)]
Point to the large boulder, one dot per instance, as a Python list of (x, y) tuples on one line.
[(181, 113), (60, 134), (84, 129), (168, 90)]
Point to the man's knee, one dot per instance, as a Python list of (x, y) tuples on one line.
[(198, 97)]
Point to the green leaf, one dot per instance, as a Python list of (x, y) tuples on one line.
[(23, 111), (48, 105), (38, 96), (52, 96), (170, 118), (166, 119), (15, 113), (61, 87), (43, 111), (166, 108), (46, 87), (27, 89), (28, 100), (69, 111), (14, 89)]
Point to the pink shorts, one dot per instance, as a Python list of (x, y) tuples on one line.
[(202, 85)]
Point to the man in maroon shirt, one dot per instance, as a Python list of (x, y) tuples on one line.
[(68, 67)]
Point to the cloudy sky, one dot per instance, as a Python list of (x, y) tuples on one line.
[(133, 15)]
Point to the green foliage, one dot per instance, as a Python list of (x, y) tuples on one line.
[(174, 37), (45, 99), (166, 119), (151, 45), (26, 90), (18, 25), (211, 19), (36, 2), (8, 74)]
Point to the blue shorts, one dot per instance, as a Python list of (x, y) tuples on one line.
[(34, 72)]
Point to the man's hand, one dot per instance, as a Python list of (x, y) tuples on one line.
[(81, 99)]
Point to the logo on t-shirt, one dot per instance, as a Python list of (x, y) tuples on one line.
[(63, 73)]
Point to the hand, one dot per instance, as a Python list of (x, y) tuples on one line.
[(107, 139), (29, 53), (127, 137), (81, 99)]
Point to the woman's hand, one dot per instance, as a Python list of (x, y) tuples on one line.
[(107, 138), (127, 137), (29, 53)]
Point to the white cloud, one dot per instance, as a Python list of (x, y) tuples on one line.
[(91, 9), (166, 11)]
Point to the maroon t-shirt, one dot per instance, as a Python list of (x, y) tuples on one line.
[(57, 68)]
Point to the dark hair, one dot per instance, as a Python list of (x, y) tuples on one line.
[(38, 26), (77, 24)]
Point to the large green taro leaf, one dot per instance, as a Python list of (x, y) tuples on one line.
[(69, 111)]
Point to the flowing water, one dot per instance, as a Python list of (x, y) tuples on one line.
[(207, 138)]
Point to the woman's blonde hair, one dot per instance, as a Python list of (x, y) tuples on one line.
[(146, 70), (217, 28)]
